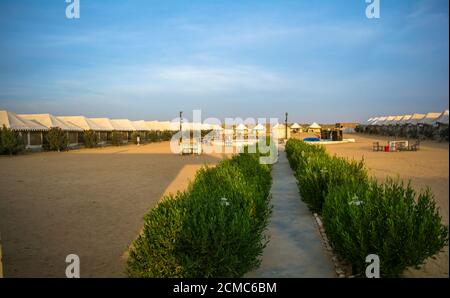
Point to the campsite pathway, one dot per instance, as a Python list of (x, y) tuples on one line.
[(295, 248)]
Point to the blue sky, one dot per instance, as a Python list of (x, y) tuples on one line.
[(319, 60)]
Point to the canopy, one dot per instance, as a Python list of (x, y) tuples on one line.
[(83, 122), (429, 118), (295, 126), (315, 126), (14, 122), (105, 123), (51, 121)]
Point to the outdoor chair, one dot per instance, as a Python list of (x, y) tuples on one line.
[(376, 147)]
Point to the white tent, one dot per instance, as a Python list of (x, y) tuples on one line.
[(404, 119), (241, 127), (295, 126), (443, 119), (30, 130), (105, 123), (429, 118), (140, 125), (122, 125), (152, 125), (379, 120), (51, 121), (15, 122), (415, 118), (83, 122), (315, 126), (259, 127), (387, 121)]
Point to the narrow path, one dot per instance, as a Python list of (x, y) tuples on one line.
[(295, 248)]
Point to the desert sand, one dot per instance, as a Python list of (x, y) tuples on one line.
[(89, 202), (428, 167)]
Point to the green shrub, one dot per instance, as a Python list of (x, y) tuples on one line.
[(116, 138), (166, 135), (317, 172), (213, 229), (90, 139), (56, 140), (152, 136), (362, 217), (11, 142), (443, 133), (388, 220)]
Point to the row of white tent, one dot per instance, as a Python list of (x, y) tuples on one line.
[(413, 119), (43, 122)]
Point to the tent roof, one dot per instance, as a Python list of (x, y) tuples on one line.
[(50, 121), (140, 125), (152, 125), (443, 119), (415, 118), (241, 127), (83, 122), (379, 120), (429, 118), (122, 125), (404, 119), (259, 127), (295, 126), (105, 123), (388, 120), (315, 126), (14, 122)]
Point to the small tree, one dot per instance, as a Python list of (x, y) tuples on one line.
[(116, 138), (56, 140), (90, 139), (10, 141)]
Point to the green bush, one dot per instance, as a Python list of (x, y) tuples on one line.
[(362, 217), (388, 220), (213, 229), (56, 140), (317, 172), (90, 139), (152, 136), (443, 133), (116, 138), (11, 141)]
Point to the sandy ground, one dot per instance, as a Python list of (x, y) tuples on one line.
[(428, 167), (89, 202)]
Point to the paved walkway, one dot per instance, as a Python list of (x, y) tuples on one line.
[(295, 248)]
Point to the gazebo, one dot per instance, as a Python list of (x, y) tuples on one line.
[(314, 128)]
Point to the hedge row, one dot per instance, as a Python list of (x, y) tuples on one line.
[(362, 216), (213, 229)]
